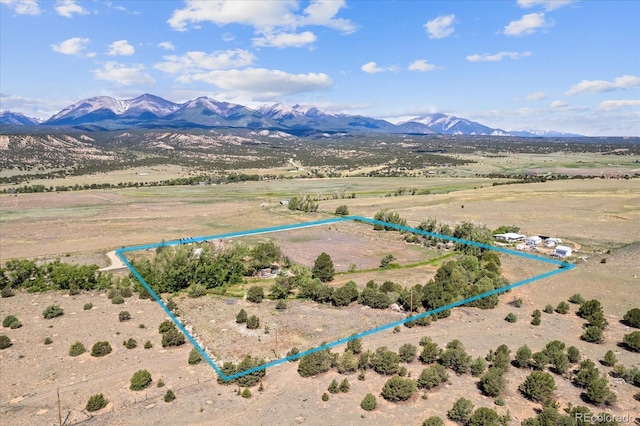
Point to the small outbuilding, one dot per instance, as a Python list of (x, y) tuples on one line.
[(562, 251), (509, 237), (533, 240)]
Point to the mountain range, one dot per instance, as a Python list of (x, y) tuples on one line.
[(104, 113)]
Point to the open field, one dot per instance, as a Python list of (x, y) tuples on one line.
[(288, 398), (596, 214)]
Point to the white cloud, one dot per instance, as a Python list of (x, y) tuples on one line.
[(528, 24), (72, 46), (536, 96), (121, 48), (546, 4), (264, 16), (67, 8), (497, 57), (372, 68), (122, 74), (167, 45), (285, 39), (264, 83), (23, 7), (440, 27), (618, 104), (421, 65), (200, 61), (558, 104), (599, 86)]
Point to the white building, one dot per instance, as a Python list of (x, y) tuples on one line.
[(562, 251), (509, 237), (533, 240)]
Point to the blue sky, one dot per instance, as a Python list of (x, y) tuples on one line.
[(565, 65)]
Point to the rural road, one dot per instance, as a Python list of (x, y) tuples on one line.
[(116, 263)]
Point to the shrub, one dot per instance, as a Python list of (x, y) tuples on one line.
[(398, 389), (632, 341), (632, 318), (48, 341), (535, 321), (101, 349), (385, 361), (197, 290), (314, 363), (588, 308), (241, 317), (52, 312), (523, 357), (88, 307), (140, 380), (407, 352), (478, 366), (131, 343), (194, 356), (563, 307), (432, 377), (165, 326), (7, 292), (141, 326), (598, 392), (538, 386), (117, 299), (344, 385), (169, 396), (433, 421), (484, 416), (518, 303), (96, 402), (577, 299), (325, 397), (148, 344), (461, 410), (493, 382), (77, 349), (609, 359), (173, 337), (15, 324), (593, 334), (333, 387), (342, 210), (456, 357), (113, 292), (8, 320), (510, 317), (253, 322), (573, 354), (368, 402), (124, 316), (246, 393), (255, 294), (281, 305), (160, 383), (5, 341), (548, 309)]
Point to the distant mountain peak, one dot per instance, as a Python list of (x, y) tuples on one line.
[(151, 111)]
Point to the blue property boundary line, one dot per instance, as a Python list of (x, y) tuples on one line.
[(563, 267)]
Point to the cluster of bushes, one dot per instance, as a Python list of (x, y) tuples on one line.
[(463, 412), (252, 322), (52, 311), (27, 274), (248, 380), (592, 311), (12, 322), (171, 336), (177, 268), (304, 203)]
